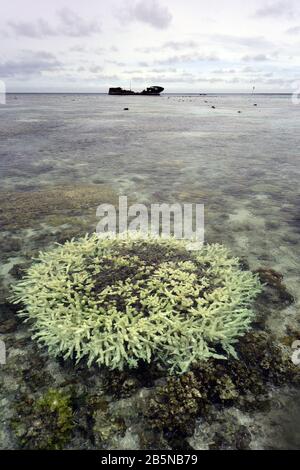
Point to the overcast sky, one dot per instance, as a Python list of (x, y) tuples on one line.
[(183, 45)]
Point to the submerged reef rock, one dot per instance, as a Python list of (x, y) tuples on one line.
[(106, 427), (275, 291), (125, 300), (244, 382), (22, 209), (222, 431), (45, 423), (175, 406)]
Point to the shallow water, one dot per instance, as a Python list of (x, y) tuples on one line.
[(244, 167)]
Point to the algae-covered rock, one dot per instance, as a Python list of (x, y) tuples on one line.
[(275, 292), (126, 300), (222, 430), (242, 382), (261, 352), (231, 435), (21, 209), (106, 426), (45, 423), (121, 383), (174, 406)]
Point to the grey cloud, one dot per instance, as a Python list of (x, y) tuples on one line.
[(179, 45), (255, 58), (177, 59), (98, 50), (39, 28), (163, 79), (116, 62), (130, 72), (146, 50), (173, 45), (106, 78), (222, 71), (149, 12), (245, 41), (275, 54), (70, 24), (244, 71), (75, 26), (78, 48), (143, 64), (97, 74), (42, 55), (283, 82), (233, 80), (294, 30), (208, 79), (255, 72), (277, 10), (96, 68), (201, 79), (249, 69), (169, 69), (85, 49), (29, 64), (151, 71)]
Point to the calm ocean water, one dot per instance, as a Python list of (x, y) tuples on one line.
[(245, 168)]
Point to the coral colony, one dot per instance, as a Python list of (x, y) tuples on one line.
[(122, 300)]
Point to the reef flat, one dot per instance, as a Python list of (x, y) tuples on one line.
[(249, 182), (54, 205), (70, 405)]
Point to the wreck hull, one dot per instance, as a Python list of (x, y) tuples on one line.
[(151, 91)]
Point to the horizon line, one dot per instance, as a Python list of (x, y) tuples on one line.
[(166, 93)]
